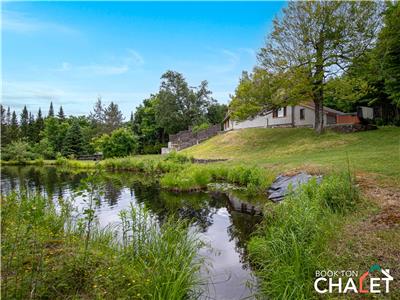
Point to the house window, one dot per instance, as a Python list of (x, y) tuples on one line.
[(301, 113), (279, 113)]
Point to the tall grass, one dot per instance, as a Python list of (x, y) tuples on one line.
[(196, 177), (286, 251), (43, 255)]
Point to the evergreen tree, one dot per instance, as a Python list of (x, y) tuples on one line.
[(4, 126), (14, 129), (113, 117), (73, 143), (39, 124), (31, 129), (24, 123), (61, 115), (51, 111)]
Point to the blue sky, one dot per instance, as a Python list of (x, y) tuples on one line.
[(72, 52)]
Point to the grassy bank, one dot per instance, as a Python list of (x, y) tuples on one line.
[(289, 247), (49, 254), (374, 152), (176, 171)]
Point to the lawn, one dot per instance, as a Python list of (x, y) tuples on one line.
[(283, 149)]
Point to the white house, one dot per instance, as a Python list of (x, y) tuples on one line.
[(302, 115)]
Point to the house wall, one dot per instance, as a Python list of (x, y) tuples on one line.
[(265, 121), (269, 121), (309, 116)]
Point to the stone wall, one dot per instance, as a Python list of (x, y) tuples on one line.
[(187, 138)]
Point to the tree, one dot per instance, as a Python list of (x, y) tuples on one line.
[(216, 113), (61, 115), (51, 111), (121, 142), (112, 117), (24, 123), (73, 143), (55, 133), (4, 126), (18, 151), (388, 49), (39, 124), (14, 128), (178, 105), (317, 40), (145, 126), (32, 133)]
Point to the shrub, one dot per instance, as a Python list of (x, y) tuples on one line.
[(121, 142), (18, 151)]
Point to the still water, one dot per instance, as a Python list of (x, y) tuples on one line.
[(223, 222)]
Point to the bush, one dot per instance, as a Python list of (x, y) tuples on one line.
[(121, 142), (18, 151)]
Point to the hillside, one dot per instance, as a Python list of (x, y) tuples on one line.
[(375, 152)]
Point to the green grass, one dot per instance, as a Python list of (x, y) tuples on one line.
[(196, 177), (44, 255), (375, 152), (287, 248)]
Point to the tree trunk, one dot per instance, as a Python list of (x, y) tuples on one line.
[(318, 92)]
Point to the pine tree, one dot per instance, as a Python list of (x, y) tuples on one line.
[(39, 124), (51, 110), (113, 117), (73, 143), (14, 129), (32, 128), (4, 126), (8, 116), (24, 123), (61, 115)]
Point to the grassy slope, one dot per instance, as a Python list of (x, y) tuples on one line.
[(375, 152), (374, 155)]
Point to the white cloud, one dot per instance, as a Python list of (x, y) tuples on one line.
[(115, 66), (18, 22)]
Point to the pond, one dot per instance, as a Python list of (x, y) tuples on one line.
[(223, 222)]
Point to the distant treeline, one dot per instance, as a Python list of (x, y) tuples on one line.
[(175, 107)]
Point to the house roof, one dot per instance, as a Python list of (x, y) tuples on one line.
[(328, 110)]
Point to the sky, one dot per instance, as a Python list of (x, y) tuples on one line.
[(71, 53)]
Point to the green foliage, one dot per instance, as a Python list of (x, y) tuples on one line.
[(145, 126), (73, 143), (18, 151), (197, 176), (200, 127), (44, 149), (43, 254), (178, 105), (388, 49), (287, 247), (121, 142), (216, 113)]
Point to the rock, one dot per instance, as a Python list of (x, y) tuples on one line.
[(280, 187)]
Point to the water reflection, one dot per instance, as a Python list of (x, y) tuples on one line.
[(216, 216)]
